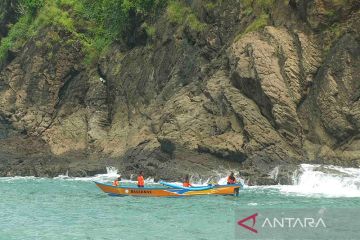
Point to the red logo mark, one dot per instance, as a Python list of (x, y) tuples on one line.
[(253, 217)]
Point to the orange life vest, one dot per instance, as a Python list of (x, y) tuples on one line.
[(231, 181), (116, 183), (186, 184), (140, 181)]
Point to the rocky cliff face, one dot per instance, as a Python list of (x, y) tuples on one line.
[(8, 15), (187, 101)]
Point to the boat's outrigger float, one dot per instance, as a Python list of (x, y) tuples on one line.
[(171, 190)]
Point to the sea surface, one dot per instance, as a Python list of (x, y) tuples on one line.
[(74, 208)]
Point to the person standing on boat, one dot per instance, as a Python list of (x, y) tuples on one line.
[(231, 179), (117, 181), (186, 182), (140, 179)]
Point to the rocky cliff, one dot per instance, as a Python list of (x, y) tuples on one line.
[(247, 85)]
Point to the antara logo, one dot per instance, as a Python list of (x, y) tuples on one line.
[(285, 222), (253, 218)]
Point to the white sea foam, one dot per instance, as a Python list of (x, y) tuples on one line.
[(274, 173), (17, 178), (111, 174), (326, 181), (218, 177), (310, 180)]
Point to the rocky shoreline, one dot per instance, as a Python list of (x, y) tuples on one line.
[(157, 165), (189, 101)]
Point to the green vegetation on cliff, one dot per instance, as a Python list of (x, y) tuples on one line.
[(261, 11), (178, 13), (95, 23), (18, 31)]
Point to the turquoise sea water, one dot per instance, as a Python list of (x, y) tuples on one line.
[(35, 208)]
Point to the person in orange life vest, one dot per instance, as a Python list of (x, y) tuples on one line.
[(116, 181), (186, 182), (231, 179), (140, 179)]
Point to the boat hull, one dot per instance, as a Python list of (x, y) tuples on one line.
[(167, 192)]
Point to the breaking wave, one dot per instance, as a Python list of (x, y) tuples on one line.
[(325, 180), (111, 174), (309, 180)]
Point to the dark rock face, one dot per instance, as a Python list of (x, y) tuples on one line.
[(192, 102), (8, 15)]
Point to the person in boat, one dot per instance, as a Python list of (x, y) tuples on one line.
[(117, 181), (186, 182), (231, 179), (140, 179)]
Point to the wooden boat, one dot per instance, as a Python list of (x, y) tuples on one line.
[(232, 189)]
